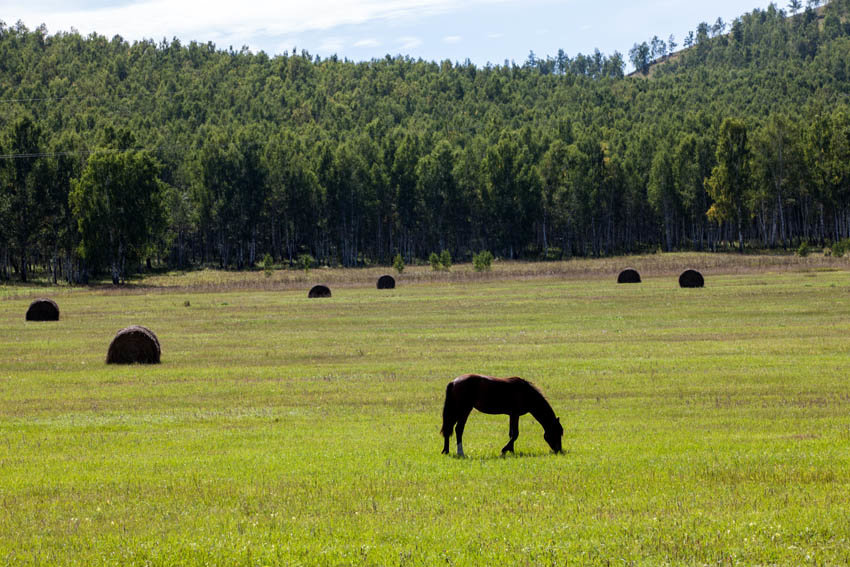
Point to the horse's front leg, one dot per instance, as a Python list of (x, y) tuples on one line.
[(514, 433), (461, 423)]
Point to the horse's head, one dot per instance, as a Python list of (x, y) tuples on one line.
[(553, 435)]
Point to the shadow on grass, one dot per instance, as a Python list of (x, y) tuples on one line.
[(508, 456)]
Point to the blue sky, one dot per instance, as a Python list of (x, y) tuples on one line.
[(481, 30)]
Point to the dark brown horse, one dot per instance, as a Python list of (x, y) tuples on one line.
[(512, 396)]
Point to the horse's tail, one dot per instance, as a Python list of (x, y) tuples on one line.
[(447, 410)]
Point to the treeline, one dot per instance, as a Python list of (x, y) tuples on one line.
[(114, 155)]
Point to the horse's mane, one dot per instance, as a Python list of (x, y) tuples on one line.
[(517, 379), (544, 403)]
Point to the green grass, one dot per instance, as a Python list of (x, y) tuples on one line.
[(702, 426)]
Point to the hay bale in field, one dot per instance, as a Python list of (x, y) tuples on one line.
[(386, 282), (43, 309), (691, 278), (629, 275), (319, 291), (134, 345)]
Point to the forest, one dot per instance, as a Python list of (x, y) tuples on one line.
[(120, 157)]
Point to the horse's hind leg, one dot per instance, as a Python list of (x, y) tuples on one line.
[(449, 417), (448, 426), (514, 433), (462, 416)]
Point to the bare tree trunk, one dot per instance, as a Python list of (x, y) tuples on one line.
[(805, 217), (762, 220), (783, 233), (253, 251), (774, 228), (545, 240), (23, 270)]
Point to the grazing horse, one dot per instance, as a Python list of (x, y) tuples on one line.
[(512, 396)]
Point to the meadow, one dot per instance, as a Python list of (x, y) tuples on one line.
[(702, 426)]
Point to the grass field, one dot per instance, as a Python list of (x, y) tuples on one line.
[(703, 426)]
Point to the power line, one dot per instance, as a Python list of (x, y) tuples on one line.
[(50, 154), (181, 74), (87, 152), (42, 99)]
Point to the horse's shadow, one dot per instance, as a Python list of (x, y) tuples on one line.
[(507, 456)]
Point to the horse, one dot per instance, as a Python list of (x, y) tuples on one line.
[(512, 396)]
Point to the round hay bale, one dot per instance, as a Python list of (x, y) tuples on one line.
[(43, 309), (629, 275), (134, 345), (691, 278), (319, 291), (386, 282)]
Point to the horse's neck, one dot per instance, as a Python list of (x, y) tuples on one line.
[(542, 411)]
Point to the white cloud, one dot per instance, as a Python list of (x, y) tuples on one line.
[(201, 19), (452, 39), (409, 42), (495, 35), (331, 45), (369, 42), (288, 44)]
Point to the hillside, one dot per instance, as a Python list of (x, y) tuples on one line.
[(670, 55), (353, 163)]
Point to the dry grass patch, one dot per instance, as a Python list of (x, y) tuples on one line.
[(649, 265)]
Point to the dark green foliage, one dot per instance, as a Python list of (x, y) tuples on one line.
[(306, 262), (117, 202), (840, 248), (482, 261), (24, 183), (730, 179), (441, 261), (398, 263), (352, 163), (640, 56), (446, 260), (661, 191)]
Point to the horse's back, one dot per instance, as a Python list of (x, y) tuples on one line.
[(489, 394), (479, 378)]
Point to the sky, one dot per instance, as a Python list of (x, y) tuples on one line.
[(480, 30)]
